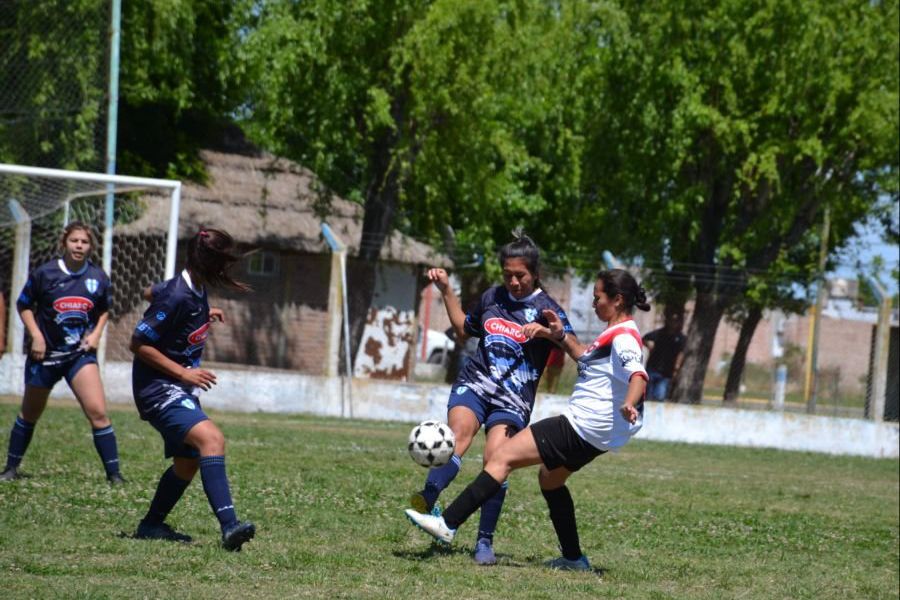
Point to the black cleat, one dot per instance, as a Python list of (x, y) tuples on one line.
[(159, 531), (116, 479), (237, 535), (10, 474)]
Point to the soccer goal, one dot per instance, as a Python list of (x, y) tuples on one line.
[(135, 219)]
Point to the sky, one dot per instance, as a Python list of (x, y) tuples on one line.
[(864, 247)]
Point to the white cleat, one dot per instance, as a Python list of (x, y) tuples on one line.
[(432, 525)]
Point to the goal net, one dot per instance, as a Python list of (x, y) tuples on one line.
[(35, 205)]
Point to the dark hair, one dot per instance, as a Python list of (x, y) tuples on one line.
[(619, 281), (210, 254), (522, 247), (78, 226)]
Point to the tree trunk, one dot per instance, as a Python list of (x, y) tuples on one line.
[(382, 196), (377, 222), (688, 385), (739, 360)]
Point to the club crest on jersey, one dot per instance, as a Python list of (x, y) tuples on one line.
[(91, 284), (197, 339), (188, 404), (530, 314), (504, 328), (72, 307)]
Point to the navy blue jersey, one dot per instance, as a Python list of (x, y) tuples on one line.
[(66, 305), (176, 324), (506, 369)]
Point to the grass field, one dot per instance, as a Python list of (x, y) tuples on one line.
[(657, 521)]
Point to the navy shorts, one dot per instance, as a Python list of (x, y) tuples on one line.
[(37, 374), (560, 445), (487, 414), (173, 423)]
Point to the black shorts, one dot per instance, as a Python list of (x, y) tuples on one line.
[(560, 445)]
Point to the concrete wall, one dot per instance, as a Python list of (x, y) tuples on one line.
[(285, 392)]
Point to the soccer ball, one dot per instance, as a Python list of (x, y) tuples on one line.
[(431, 443)]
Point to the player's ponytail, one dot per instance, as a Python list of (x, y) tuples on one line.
[(620, 282), (523, 247), (210, 254)]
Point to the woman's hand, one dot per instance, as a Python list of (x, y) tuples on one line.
[(38, 347), (629, 413), (216, 314), (91, 342), (200, 378), (439, 278), (535, 330)]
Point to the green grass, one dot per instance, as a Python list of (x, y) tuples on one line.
[(657, 520)]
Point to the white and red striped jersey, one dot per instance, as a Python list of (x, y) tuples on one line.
[(604, 371)]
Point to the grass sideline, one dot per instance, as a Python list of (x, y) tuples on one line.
[(657, 520)]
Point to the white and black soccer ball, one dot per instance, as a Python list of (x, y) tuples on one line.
[(431, 443)]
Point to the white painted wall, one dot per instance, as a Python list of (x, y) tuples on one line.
[(285, 392)]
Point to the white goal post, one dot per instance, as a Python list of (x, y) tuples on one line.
[(138, 248)]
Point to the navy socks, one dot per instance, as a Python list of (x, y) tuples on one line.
[(19, 438), (215, 484), (490, 513), (105, 443), (168, 493), (439, 478)]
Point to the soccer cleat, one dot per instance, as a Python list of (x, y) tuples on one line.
[(564, 564), (159, 531), (484, 552), (10, 474), (237, 535), (115, 479), (432, 525)]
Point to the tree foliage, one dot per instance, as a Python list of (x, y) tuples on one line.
[(738, 122)]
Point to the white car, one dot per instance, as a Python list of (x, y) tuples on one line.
[(437, 347)]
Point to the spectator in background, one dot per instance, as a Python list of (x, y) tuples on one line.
[(666, 347), (554, 367)]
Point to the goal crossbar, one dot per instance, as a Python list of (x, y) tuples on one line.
[(129, 183)]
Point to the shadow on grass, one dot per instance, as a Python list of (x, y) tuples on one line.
[(434, 549), (503, 560)]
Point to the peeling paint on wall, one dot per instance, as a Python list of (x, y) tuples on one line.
[(387, 341)]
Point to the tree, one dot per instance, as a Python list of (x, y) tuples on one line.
[(53, 83), (738, 122), (463, 112), (178, 85)]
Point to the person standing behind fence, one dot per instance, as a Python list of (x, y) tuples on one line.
[(666, 347), (166, 378), (65, 306)]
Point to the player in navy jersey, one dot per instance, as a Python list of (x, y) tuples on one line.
[(166, 379), (497, 386), (604, 412), (64, 306)]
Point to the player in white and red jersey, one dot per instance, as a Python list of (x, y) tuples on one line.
[(64, 306), (497, 387), (604, 412)]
